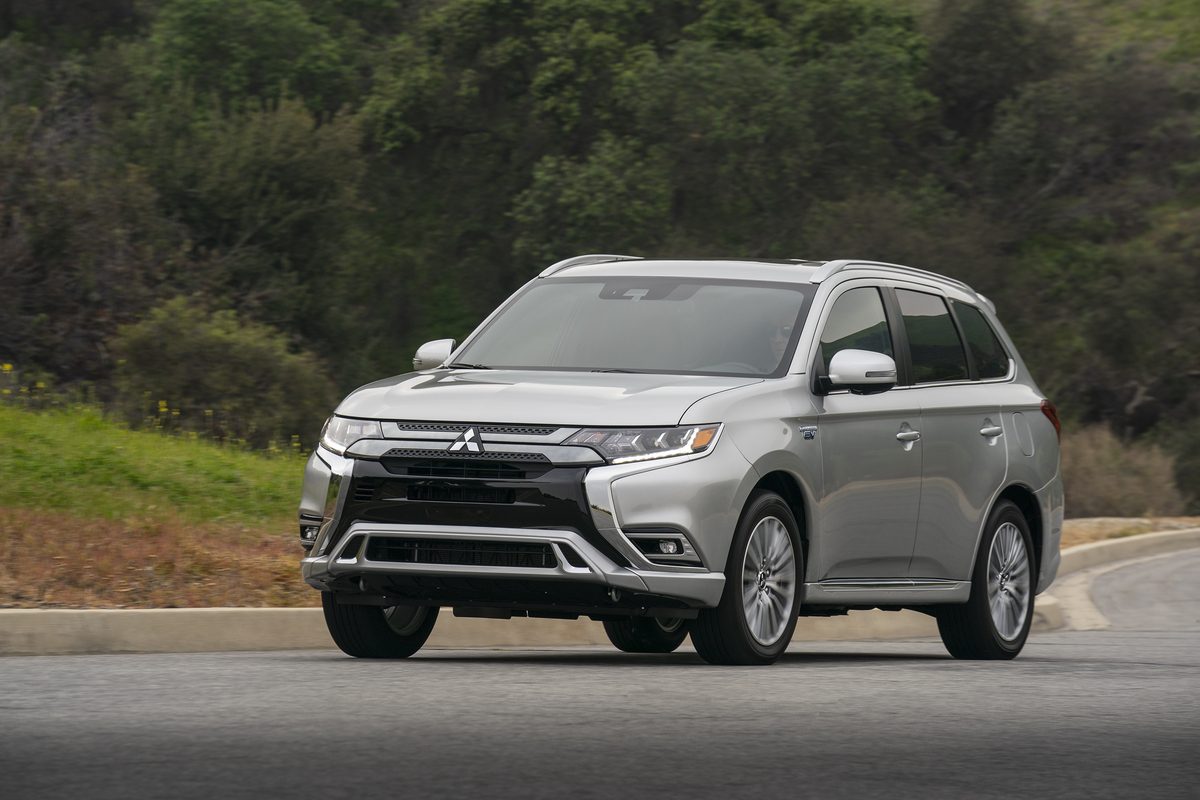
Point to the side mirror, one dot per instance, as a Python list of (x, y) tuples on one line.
[(862, 371), (433, 354)]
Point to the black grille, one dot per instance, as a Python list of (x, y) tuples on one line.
[(460, 494), (462, 552), (517, 430), (505, 466), (470, 492)]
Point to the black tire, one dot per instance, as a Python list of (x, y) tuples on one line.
[(968, 629), (722, 635), (375, 632), (647, 634)]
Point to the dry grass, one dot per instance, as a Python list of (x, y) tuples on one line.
[(53, 559), (1105, 476)]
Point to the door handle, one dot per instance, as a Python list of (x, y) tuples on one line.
[(908, 436), (991, 431)]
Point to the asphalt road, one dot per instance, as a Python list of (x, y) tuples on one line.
[(1109, 713)]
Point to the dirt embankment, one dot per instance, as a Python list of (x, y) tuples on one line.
[(56, 560)]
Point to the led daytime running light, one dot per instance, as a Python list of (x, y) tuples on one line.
[(632, 445)]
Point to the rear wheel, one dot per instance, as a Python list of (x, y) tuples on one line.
[(994, 623), (756, 617), (647, 634), (375, 632)]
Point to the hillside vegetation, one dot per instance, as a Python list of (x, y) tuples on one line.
[(217, 215)]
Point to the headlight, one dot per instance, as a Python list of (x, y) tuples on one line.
[(341, 432), (623, 445)]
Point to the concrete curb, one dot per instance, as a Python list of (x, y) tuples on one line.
[(183, 630), (1110, 550)]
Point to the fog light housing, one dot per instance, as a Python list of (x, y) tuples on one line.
[(664, 546), (310, 530)]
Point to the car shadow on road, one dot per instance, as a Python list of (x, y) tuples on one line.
[(593, 658)]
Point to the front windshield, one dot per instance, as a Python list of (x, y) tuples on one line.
[(636, 324)]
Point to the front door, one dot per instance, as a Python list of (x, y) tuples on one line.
[(871, 455)]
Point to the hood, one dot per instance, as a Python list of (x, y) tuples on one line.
[(529, 397)]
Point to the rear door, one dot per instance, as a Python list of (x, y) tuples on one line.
[(964, 461)]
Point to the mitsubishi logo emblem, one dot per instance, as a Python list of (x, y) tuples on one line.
[(467, 440)]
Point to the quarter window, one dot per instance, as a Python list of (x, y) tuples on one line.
[(937, 353), (856, 322), (991, 360)]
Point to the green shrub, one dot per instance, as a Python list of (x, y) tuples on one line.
[(182, 368), (1106, 476)]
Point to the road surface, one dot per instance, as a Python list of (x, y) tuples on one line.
[(1110, 713)]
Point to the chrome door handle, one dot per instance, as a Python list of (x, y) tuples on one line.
[(908, 436), (991, 431)]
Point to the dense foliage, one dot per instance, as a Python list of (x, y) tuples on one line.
[(362, 175)]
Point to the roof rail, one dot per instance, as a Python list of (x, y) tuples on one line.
[(579, 261), (831, 268)]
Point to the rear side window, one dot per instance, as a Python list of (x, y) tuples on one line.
[(991, 360), (856, 322), (937, 352)]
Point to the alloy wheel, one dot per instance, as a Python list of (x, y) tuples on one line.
[(769, 581), (1008, 581)]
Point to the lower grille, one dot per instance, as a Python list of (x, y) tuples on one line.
[(506, 466), (462, 552), (460, 494)]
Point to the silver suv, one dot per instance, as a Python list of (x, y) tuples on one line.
[(712, 448)]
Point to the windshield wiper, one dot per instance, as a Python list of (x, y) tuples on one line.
[(457, 365), (615, 369)]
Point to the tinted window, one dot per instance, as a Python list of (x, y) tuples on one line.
[(937, 353), (991, 361), (856, 322), (645, 324)]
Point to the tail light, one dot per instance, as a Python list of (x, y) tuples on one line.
[(1052, 414)]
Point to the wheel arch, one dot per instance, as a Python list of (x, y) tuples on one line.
[(1024, 499), (789, 487)]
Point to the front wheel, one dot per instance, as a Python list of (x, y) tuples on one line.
[(375, 632), (756, 617), (646, 634), (994, 623)]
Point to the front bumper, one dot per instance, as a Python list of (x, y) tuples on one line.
[(594, 567), (692, 497)]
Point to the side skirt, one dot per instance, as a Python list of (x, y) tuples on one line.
[(885, 592)]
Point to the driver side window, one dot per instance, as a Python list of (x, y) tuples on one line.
[(856, 322)]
